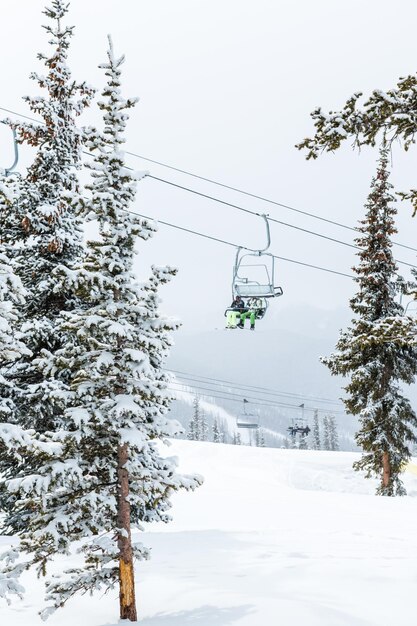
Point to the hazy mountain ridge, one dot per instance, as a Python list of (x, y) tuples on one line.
[(274, 359)]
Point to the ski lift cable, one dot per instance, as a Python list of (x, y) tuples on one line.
[(234, 245), (257, 388), (234, 398), (241, 191), (256, 196), (253, 400), (270, 219), (188, 230)]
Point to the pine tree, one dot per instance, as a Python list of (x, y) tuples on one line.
[(237, 439), (224, 437), (382, 114), (47, 206), (204, 429), (216, 432), (326, 433), (259, 438), (102, 472), (316, 443), (11, 296), (333, 435), (194, 431), (371, 351), (303, 444)]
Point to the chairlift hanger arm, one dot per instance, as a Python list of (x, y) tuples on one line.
[(8, 170)]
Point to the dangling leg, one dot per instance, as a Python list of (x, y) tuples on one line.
[(252, 320), (231, 319), (243, 317)]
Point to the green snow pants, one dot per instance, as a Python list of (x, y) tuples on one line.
[(252, 317)]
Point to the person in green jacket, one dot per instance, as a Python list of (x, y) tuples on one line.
[(254, 308)]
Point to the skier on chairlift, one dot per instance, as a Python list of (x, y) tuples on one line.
[(236, 309), (255, 307)]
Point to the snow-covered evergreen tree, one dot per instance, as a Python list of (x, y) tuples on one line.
[(371, 351), (224, 432), (194, 429), (237, 439), (385, 113), (303, 443), (204, 429), (259, 438), (47, 206), (326, 433), (11, 297), (102, 471), (333, 434), (216, 431), (316, 443)]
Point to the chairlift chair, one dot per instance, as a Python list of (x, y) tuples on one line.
[(254, 274), (247, 420), (298, 426)]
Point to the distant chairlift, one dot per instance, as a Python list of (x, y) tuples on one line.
[(9, 170), (247, 419), (299, 426)]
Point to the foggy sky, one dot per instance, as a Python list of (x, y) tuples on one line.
[(225, 91)]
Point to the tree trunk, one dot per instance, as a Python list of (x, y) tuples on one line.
[(386, 469), (126, 572)]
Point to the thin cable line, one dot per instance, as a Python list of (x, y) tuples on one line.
[(271, 219), (235, 398), (210, 237), (235, 245), (254, 195), (241, 191), (267, 390), (242, 393)]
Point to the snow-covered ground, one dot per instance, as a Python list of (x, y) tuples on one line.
[(286, 537)]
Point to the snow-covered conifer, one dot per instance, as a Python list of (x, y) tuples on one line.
[(216, 431), (194, 429), (316, 443), (326, 433), (383, 113), (333, 434), (204, 429), (303, 443), (11, 297), (102, 471), (47, 206), (237, 439), (373, 350), (259, 438)]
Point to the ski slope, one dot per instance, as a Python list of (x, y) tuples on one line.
[(274, 537)]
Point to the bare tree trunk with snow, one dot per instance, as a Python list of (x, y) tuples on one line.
[(126, 571), (386, 469)]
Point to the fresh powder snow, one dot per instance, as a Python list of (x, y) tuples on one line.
[(289, 537)]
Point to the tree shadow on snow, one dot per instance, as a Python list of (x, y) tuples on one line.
[(201, 616)]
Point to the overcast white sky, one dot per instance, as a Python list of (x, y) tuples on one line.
[(225, 91)]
